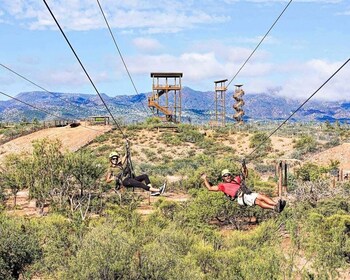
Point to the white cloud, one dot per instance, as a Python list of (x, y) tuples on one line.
[(200, 68), (344, 13), (147, 44), (312, 75), (150, 17), (72, 77), (1, 19)]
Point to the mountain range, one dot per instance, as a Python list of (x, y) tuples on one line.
[(197, 107)]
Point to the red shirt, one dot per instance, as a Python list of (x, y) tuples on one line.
[(231, 188)]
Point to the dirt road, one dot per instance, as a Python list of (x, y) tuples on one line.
[(72, 138)]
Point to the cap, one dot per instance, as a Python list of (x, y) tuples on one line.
[(113, 154), (225, 171)]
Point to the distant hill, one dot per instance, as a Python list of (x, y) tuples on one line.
[(197, 106)]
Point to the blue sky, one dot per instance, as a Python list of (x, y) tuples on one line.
[(206, 40)]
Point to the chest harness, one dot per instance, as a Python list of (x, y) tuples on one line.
[(243, 189)]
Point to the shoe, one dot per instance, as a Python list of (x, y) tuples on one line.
[(278, 206), (162, 188), (155, 193), (283, 204)]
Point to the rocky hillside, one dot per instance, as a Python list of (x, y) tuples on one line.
[(197, 107)]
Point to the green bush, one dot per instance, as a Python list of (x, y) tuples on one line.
[(306, 144), (59, 240), (106, 253), (309, 172), (19, 247)]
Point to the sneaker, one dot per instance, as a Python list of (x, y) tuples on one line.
[(278, 206), (283, 204), (155, 193), (162, 188)]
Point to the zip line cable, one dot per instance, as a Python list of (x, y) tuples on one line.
[(16, 73), (33, 83), (82, 66), (116, 45), (42, 110), (299, 107), (246, 61), (120, 54), (239, 70), (23, 77), (32, 106)]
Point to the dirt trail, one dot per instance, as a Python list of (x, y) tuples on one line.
[(24, 206), (27, 207), (72, 138), (146, 207), (340, 153)]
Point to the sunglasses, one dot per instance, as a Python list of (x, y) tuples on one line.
[(226, 175), (114, 158)]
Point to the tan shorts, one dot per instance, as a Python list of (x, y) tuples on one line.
[(249, 199)]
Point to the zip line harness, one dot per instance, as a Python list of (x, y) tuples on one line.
[(127, 170), (243, 189)]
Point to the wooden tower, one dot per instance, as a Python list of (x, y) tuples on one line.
[(220, 103), (167, 85)]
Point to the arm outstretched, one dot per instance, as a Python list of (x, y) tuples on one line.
[(207, 184)]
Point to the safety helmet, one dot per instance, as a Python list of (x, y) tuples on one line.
[(225, 171), (113, 154)]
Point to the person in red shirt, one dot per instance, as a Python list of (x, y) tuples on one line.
[(231, 186)]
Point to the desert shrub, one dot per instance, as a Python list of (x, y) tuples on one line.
[(44, 170), (292, 182), (191, 153), (190, 133), (102, 138), (80, 185), (313, 193), (206, 144), (260, 138), (265, 168), (104, 149), (261, 143), (59, 240), (168, 208), (153, 121), (306, 144), (326, 242), (106, 252), (2, 197), (170, 139), (267, 188), (13, 174), (19, 247), (150, 155), (332, 143), (297, 154), (309, 172), (170, 260), (243, 256)]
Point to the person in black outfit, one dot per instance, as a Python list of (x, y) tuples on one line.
[(120, 173)]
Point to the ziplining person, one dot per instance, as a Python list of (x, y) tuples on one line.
[(120, 171), (234, 187)]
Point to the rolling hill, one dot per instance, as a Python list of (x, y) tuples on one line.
[(197, 107)]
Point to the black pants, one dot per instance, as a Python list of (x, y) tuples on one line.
[(137, 182)]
